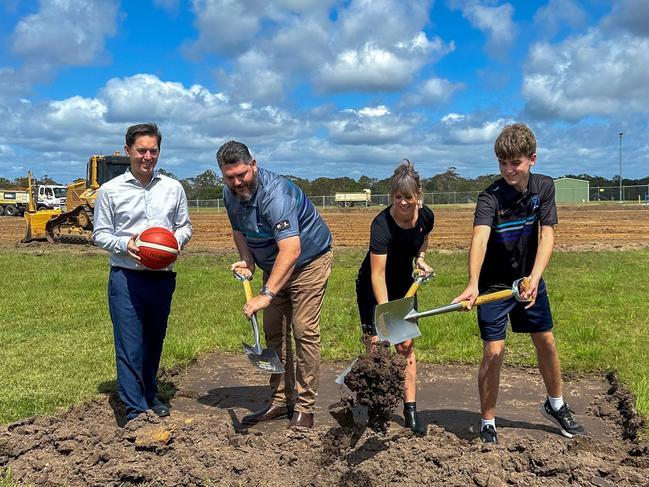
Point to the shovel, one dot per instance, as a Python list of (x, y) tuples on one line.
[(396, 321), (266, 359), (418, 279)]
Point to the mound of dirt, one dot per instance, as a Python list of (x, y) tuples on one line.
[(201, 444), (376, 383)]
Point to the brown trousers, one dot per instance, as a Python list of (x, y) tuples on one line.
[(297, 308)]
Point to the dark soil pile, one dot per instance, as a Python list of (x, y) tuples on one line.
[(86, 446), (376, 382)]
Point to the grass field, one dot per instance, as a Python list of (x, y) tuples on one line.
[(56, 335)]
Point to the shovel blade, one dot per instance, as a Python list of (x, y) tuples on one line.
[(391, 325), (340, 380), (266, 361)]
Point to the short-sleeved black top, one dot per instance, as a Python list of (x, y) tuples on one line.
[(401, 246), (514, 218)]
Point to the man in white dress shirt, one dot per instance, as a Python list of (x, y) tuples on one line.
[(139, 299)]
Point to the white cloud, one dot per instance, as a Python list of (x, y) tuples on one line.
[(629, 15), (254, 79), (556, 15), (367, 46), (65, 32), (368, 126), (431, 92), (372, 68), (588, 75), (452, 118), (486, 133), (496, 23)]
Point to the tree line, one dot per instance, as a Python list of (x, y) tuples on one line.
[(209, 184)]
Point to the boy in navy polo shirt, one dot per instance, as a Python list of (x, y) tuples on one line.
[(507, 245)]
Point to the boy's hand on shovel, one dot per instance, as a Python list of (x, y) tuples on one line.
[(470, 294), (528, 289)]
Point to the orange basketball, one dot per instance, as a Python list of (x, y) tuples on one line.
[(158, 247)]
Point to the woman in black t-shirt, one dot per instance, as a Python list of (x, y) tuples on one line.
[(398, 236)]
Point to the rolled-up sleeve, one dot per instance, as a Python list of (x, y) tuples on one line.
[(104, 226)]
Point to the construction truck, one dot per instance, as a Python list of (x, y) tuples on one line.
[(50, 197), (354, 199), (13, 202), (75, 224)]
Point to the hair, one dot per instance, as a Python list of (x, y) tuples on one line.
[(233, 152), (135, 131), (514, 141), (406, 181)]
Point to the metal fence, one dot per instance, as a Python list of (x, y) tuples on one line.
[(630, 194)]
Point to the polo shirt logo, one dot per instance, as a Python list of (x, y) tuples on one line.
[(535, 202), (283, 225)]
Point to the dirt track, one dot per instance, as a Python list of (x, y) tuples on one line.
[(587, 227)]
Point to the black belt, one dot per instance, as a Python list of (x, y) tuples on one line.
[(145, 272)]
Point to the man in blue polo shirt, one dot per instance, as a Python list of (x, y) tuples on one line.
[(277, 228), (513, 237)]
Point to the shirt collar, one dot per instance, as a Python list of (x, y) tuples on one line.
[(128, 176)]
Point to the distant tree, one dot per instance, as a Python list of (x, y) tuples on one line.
[(303, 184), (329, 186), (366, 182), (382, 186), (48, 180), (5, 183), (21, 182), (445, 182), (169, 174), (205, 186)]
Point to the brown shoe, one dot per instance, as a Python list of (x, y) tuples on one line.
[(269, 413), (301, 420)]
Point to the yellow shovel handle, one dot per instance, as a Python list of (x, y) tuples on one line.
[(413, 288), (248, 289), (498, 295)]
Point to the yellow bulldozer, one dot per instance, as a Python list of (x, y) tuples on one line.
[(75, 224)]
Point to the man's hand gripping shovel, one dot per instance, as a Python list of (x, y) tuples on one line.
[(397, 320), (263, 359)]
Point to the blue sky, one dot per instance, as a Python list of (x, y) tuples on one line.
[(325, 87)]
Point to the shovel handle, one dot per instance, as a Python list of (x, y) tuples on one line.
[(522, 285), (248, 289), (413, 288)]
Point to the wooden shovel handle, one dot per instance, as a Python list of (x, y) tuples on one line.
[(248, 289), (419, 278), (413, 288), (491, 297), (498, 295)]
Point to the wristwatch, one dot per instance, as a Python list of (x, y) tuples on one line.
[(267, 292)]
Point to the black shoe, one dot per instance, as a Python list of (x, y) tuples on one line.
[(562, 418), (159, 408), (269, 413), (412, 420), (488, 434)]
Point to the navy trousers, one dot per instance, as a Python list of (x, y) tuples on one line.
[(139, 303)]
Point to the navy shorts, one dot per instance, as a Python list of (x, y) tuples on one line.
[(492, 317)]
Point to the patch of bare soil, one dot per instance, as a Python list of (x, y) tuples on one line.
[(202, 442), (583, 227)]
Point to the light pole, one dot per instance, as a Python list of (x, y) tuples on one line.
[(621, 133)]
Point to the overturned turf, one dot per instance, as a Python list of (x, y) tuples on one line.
[(86, 446)]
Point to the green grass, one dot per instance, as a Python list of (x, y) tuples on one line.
[(56, 334)]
